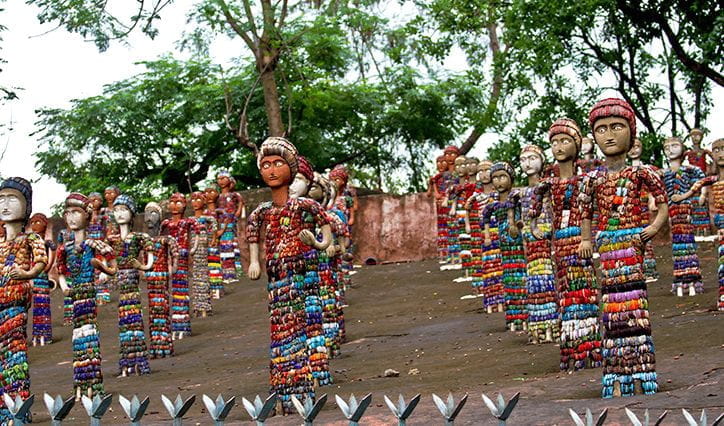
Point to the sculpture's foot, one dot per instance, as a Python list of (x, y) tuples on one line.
[(35, 341), (489, 309), (525, 326), (549, 335), (638, 387), (616, 389), (78, 393), (692, 290), (680, 291), (42, 340)]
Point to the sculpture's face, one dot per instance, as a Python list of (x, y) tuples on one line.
[(38, 226), (502, 181), (531, 163), (12, 205), (110, 196), (222, 181), (122, 214), (441, 165), (636, 150), (75, 218), (275, 171), (696, 136), (563, 147), (484, 172), (717, 150), (450, 157), (211, 195), (316, 192), (198, 202), (151, 219), (586, 146), (299, 187), (673, 148), (96, 202), (460, 166), (177, 206), (612, 135), (471, 167)]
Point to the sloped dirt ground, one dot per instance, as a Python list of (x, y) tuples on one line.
[(409, 317)]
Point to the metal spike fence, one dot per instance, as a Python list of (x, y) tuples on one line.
[(353, 410)]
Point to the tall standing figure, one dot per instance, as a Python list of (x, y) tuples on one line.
[(580, 341), (42, 324), (437, 186), (22, 258), (543, 322), (97, 228), (204, 232), (628, 349), (216, 275), (291, 265), (697, 158), (132, 245), (346, 202), (179, 228), (647, 204), (506, 210), (231, 209), (165, 255), (717, 187), (78, 259), (679, 179)]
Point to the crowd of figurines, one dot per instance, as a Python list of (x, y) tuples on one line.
[(528, 252), (186, 263)]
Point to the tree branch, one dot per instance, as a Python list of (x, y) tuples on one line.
[(237, 28), (654, 17)]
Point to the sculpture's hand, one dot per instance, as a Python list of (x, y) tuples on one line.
[(19, 274), (307, 237), (677, 197), (585, 250), (648, 233)]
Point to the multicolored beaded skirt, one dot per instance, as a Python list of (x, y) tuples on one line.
[(686, 267), (492, 275), (514, 272), (327, 294), (542, 306), (200, 289), (228, 249), (133, 350), (160, 343), (216, 276), (628, 350), (700, 218), (13, 346), (42, 325), (180, 300), (719, 221), (290, 370), (442, 231), (87, 373), (67, 309), (580, 341)]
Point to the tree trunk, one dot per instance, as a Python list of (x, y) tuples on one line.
[(271, 102)]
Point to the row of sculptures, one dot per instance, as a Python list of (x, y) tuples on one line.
[(529, 252), (186, 262)]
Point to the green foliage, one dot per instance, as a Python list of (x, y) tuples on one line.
[(359, 86)]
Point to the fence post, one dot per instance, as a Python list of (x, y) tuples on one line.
[(260, 411), (309, 410), (353, 411), (219, 409), (134, 408), (57, 408), (449, 410), (96, 407), (402, 411), (178, 409), (503, 410), (19, 408)]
